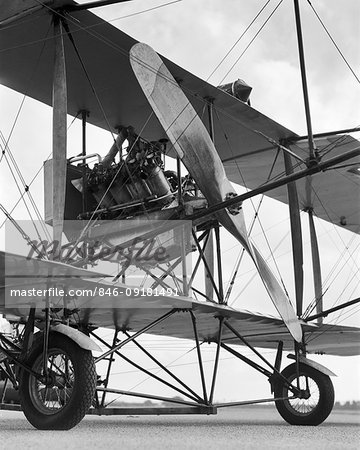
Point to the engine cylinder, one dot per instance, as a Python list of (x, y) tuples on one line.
[(159, 185), (105, 199), (120, 192)]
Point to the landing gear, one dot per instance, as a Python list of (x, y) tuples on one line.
[(316, 400), (60, 402)]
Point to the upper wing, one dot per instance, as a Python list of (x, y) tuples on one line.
[(334, 195), (26, 61)]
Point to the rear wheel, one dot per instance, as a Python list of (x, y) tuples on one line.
[(61, 402), (317, 396)]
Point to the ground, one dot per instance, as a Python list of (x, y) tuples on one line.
[(245, 428)]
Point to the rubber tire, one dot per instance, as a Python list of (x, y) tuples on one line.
[(83, 387), (325, 402)]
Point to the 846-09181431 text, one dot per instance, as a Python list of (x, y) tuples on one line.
[(96, 291)]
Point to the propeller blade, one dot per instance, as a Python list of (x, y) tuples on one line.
[(195, 148)]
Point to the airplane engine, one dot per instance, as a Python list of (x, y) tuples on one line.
[(136, 183), (139, 178), (98, 186)]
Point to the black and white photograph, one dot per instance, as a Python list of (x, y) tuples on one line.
[(179, 224)]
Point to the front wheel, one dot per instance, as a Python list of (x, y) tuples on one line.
[(317, 396), (63, 401)]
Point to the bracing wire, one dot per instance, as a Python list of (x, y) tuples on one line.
[(333, 41), (252, 40), (6, 150), (252, 202), (255, 273), (26, 189), (332, 276), (22, 197), (237, 41)]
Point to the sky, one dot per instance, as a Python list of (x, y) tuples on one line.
[(196, 34)]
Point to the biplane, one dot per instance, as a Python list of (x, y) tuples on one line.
[(135, 245)]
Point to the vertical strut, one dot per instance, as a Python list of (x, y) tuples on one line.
[(219, 267), (304, 81), (59, 136), (46, 335), (296, 237), (84, 115), (178, 171), (316, 267), (210, 109), (209, 256), (183, 262), (221, 322), (111, 360), (201, 367), (209, 248)]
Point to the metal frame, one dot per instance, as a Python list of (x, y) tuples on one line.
[(195, 403), (199, 403)]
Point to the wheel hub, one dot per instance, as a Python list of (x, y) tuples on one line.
[(48, 379), (304, 394), (52, 379)]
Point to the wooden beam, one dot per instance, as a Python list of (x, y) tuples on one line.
[(312, 148), (209, 256), (59, 134), (296, 236), (209, 248), (316, 267), (146, 410)]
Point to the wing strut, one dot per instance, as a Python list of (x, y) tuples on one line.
[(313, 156), (296, 237), (209, 248), (316, 267), (59, 135), (312, 149)]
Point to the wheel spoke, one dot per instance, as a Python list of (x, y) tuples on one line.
[(302, 405), (62, 400), (53, 397), (314, 401)]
